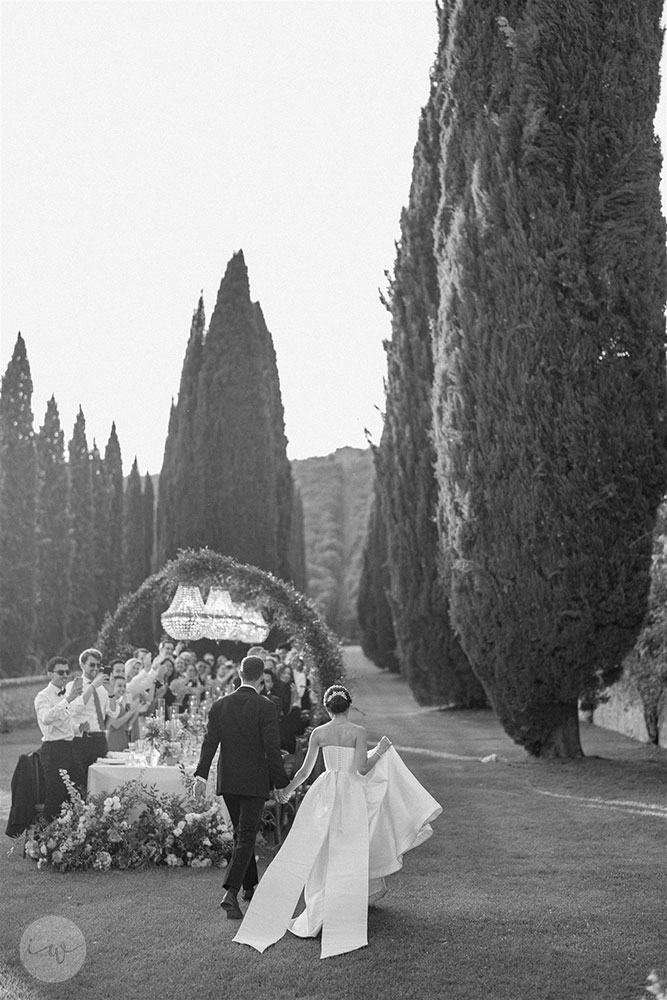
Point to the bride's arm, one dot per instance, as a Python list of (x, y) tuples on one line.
[(371, 759), (307, 766)]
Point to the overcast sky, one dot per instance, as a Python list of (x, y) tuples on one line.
[(144, 143)]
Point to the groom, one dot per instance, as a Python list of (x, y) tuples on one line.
[(245, 726)]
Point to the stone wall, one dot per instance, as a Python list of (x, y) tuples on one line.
[(17, 698), (624, 712)]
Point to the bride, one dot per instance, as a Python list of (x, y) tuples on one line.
[(352, 829)]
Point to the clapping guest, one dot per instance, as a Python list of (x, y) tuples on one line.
[(194, 689), (118, 729)]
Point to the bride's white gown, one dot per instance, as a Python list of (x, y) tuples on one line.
[(349, 829)]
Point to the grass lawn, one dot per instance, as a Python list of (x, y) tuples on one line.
[(542, 880)]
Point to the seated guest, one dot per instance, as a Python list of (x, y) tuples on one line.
[(119, 729), (54, 710), (92, 711)]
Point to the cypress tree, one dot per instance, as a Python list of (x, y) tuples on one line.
[(101, 547), (113, 465), (282, 470), (378, 640), (549, 384), (18, 490), (429, 652), (297, 554), (81, 617), (53, 537), (148, 503), (180, 504), (134, 543), (234, 439)]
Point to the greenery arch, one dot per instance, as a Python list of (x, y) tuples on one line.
[(281, 604)]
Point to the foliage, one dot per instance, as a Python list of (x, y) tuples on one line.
[(53, 538), (284, 607), (131, 828), (80, 623), (549, 367), (427, 649), (18, 490), (378, 640), (336, 492)]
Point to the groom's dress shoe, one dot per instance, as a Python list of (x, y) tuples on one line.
[(230, 905), (248, 894)]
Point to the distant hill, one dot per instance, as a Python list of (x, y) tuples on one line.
[(336, 491)]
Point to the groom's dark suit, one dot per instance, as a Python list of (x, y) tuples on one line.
[(245, 726)]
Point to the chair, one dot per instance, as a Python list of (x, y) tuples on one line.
[(28, 793)]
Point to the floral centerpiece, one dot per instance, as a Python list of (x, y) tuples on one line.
[(134, 827)]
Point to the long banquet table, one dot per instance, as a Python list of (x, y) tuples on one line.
[(108, 777)]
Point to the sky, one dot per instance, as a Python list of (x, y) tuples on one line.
[(144, 143)]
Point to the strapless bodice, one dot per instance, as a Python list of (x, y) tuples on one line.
[(339, 759)]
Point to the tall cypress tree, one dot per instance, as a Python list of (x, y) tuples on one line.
[(297, 555), (53, 537), (378, 640), (284, 484), (180, 504), (148, 504), (427, 649), (101, 522), (81, 616), (549, 347), (113, 465), (134, 544), (18, 490), (234, 438)]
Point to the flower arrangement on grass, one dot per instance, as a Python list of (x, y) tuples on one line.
[(656, 986), (134, 827)]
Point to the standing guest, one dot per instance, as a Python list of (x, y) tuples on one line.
[(117, 669), (93, 710), (118, 729), (245, 727), (54, 709), (133, 667), (142, 654), (209, 660), (268, 682)]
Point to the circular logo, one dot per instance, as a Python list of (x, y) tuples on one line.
[(52, 949)]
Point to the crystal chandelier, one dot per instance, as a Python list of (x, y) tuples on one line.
[(184, 618), (220, 618)]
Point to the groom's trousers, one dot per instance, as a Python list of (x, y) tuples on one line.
[(246, 815)]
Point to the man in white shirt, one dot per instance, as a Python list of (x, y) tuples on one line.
[(92, 711), (54, 710)]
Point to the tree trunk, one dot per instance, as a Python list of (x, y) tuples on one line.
[(561, 739)]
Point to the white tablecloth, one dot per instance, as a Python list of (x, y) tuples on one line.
[(107, 777)]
